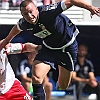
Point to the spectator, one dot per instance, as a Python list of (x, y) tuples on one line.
[(25, 70), (46, 2), (83, 76), (48, 87), (38, 2), (16, 3), (5, 4)]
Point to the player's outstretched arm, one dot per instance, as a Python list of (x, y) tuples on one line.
[(15, 48), (14, 31), (30, 47), (83, 4)]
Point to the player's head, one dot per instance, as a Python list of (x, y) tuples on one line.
[(82, 50), (29, 11)]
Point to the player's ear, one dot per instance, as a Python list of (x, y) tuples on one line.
[(21, 13), (36, 8)]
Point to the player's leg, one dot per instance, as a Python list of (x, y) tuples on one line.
[(67, 59), (89, 89), (79, 89), (39, 71), (48, 87), (26, 86), (64, 77)]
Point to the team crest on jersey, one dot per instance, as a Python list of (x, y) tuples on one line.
[(86, 68), (50, 7), (44, 33)]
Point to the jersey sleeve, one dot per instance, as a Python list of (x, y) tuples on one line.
[(53, 10), (22, 24), (91, 66)]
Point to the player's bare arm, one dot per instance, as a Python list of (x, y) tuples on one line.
[(15, 48), (14, 31), (83, 4), (30, 47)]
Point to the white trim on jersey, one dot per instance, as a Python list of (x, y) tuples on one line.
[(63, 6), (18, 26), (71, 60), (68, 44)]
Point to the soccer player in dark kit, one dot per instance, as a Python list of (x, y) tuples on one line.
[(59, 45)]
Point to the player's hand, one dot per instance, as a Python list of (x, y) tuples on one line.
[(95, 10), (38, 47), (93, 82), (6, 48)]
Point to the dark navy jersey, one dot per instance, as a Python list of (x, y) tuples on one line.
[(54, 28), (82, 71)]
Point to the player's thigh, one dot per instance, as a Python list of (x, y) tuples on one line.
[(40, 69), (64, 77)]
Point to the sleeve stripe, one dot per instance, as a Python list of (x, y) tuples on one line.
[(63, 6), (18, 26)]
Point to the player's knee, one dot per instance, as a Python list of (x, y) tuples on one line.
[(36, 80), (49, 85)]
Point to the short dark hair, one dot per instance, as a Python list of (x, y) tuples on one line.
[(24, 3), (86, 47)]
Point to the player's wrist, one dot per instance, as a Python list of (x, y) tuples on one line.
[(4, 42), (15, 48), (86, 80)]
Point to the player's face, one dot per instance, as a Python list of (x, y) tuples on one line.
[(30, 13), (82, 51)]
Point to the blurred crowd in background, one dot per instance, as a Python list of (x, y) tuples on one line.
[(14, 4)]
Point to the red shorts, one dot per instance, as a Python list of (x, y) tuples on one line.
[(17, 92)]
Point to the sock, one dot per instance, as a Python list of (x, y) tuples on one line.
[(57, 86), (39, 93)]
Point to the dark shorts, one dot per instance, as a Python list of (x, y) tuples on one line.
[(57, 57)]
